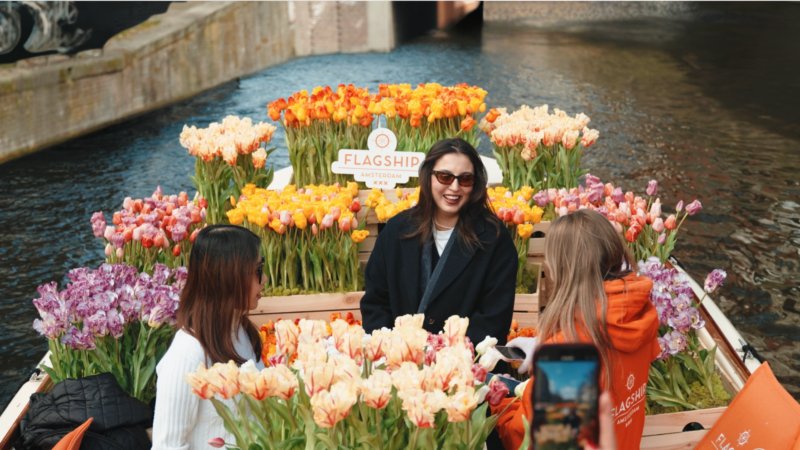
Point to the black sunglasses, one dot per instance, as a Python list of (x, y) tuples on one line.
[(446, 178), (260, 269)]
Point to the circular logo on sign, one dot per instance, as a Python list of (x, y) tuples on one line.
[(382, 139), (630, 382)]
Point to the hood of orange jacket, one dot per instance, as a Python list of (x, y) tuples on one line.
[(631, 318), (632, 324)]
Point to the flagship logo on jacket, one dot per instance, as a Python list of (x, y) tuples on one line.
[(624, 410)]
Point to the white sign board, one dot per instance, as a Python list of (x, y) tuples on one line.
[(381, 166)]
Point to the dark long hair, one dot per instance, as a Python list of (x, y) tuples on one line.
[(477, 207), (216, 298)]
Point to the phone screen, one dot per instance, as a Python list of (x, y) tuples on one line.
[(565, 398)]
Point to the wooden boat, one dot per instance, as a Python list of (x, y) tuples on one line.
[(661, 432)]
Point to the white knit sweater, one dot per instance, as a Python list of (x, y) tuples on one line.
[(183, 420)]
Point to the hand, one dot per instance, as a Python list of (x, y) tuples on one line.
[(527, 345), (608, 440)]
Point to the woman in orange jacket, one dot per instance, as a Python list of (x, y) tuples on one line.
[(596, 297)]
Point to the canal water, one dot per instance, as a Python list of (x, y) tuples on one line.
[(706, 103)]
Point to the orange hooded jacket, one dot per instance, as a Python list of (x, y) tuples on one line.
[(632, 323)]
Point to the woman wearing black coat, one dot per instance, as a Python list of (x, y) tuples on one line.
[(447, 255)]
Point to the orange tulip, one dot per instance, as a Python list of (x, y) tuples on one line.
[(468, 123)]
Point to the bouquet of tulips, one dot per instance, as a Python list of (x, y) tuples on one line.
[(684, 376), (513, 208), (157, 229), (317, 126), (335, 386), (536, 148), (640, 220), (309, 236), (229, 155), (110, 319), (428, 113)]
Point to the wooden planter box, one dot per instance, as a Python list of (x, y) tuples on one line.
[(321, 306)]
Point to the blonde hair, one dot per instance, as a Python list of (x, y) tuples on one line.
[(582, 251)]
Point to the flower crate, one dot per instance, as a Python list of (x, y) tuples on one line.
[(321, 306)]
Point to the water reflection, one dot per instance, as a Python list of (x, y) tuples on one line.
[(683, 101)]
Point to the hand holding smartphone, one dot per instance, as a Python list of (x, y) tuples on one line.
[(511, 353), (565, 394)]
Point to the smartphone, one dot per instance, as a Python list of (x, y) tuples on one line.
[(510, 383), (510, 352), (565, 393)]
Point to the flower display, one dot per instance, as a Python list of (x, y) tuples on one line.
[(684, 375), (640, 220), (395, 389), (228, 155), (536, 148), (386, 208), (309, 236), (514, 210), (269, 339), (156, 229), (517, 331), (318, 125), (106, 316), (423, 115)]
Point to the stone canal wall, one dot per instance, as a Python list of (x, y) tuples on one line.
[(192, 47), (553, 13)]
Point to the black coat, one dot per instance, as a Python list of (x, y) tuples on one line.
[(120, 421), (478, 283)]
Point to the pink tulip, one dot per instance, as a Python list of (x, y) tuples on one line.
[(655, 209), (694, 207), (344, 224), (285, 218), (109, 232), (216, 442), (658, 225), (327, 221), (679, 207)]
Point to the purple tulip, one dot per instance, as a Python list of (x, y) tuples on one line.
[(541, 198), (714, 280), (679, 206), (694, 207), (617, 195), (652, 188), (103, 301), (98, 224)]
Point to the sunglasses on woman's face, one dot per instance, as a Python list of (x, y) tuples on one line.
[(260, 269), (446, 178)]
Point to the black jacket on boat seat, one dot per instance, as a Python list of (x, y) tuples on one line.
[(120, 421)]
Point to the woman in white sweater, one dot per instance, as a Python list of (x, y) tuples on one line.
[(224, 282)]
